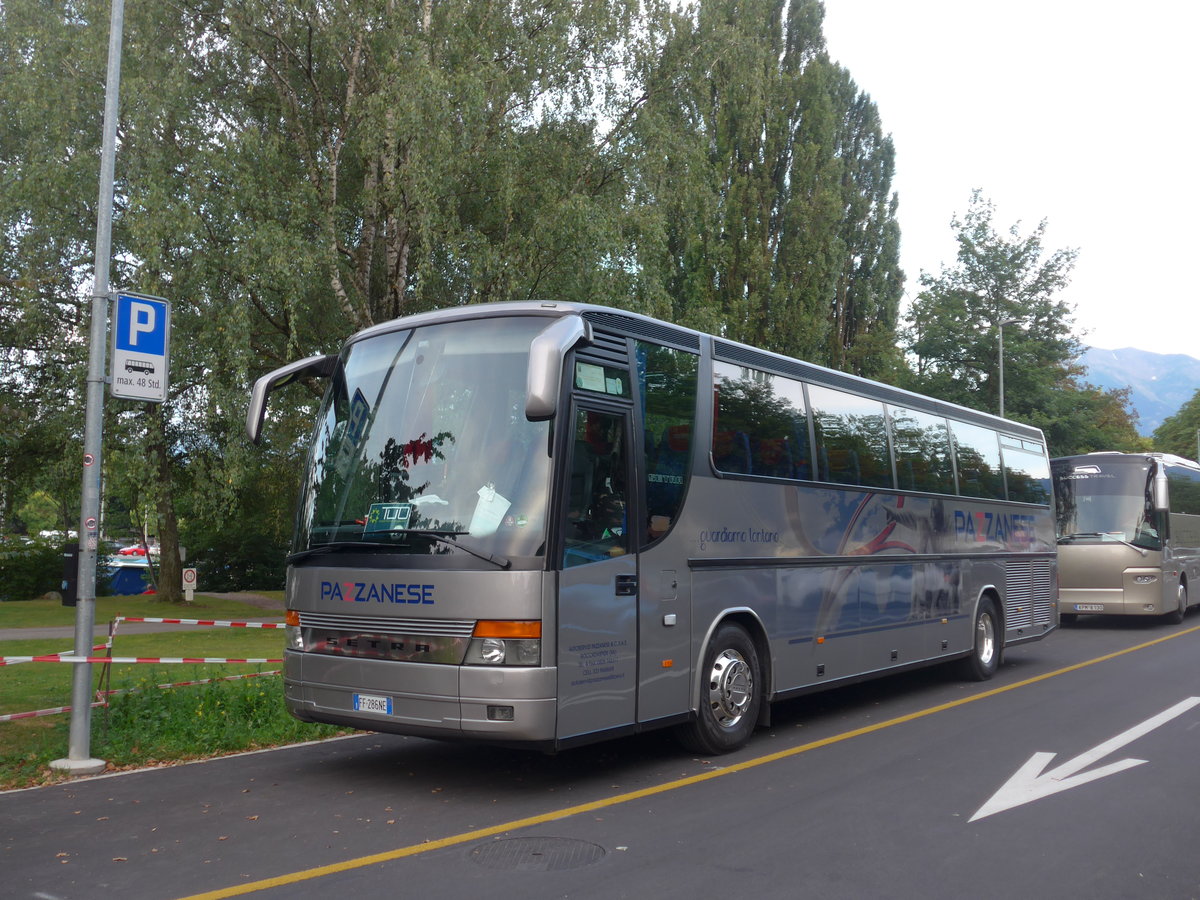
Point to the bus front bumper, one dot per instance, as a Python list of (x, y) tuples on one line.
[(488, 703), (1141, 594)]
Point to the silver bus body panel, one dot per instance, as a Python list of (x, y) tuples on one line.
[(839, 582), (896, 586), (597, 639), (1105, 573), (666, 644), (436, 698), (1103, 579)]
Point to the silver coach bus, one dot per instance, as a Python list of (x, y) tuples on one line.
[(551, 523), (1128, 534)]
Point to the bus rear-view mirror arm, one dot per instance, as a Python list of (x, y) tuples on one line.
[(318, 366), (1162, 502), (546, 354)]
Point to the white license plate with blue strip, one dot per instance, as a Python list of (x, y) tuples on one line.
[(372, 704)]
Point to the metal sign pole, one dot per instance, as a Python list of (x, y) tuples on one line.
[(79, 761)]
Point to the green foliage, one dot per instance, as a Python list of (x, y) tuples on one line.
[(237, 556), (289, 173), (29, 568), (762, 183), (152, 726), (1177, 434), (1007, 283)]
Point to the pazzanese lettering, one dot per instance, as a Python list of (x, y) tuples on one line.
[(370, 592), (1007, 528)]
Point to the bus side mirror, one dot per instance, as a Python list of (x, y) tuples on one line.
[(1162, 501), (319, 366), (546, 354)]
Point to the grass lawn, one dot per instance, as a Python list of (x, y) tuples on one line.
[(148, 725)]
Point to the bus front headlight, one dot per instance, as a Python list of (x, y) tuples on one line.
[(293, 637), (505, 643)]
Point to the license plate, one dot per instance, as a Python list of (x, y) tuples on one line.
[(372, 704), (1089, 607)]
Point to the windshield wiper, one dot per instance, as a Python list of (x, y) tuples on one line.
[(334, 546), (442, 536), (1102, 534)]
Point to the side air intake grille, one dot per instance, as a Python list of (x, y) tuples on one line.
[(606, 347), (643, 329), (1029, 594)]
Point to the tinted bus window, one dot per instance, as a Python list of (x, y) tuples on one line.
[(667, 381), (977, 453), (1026, 471), (760, 426), (923, 454), (851, 435), (1184, 488)]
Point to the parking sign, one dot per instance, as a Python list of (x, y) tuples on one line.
[(141, 341)]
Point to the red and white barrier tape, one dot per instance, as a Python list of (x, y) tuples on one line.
[(96, 649), (70, 657), (128, 660), (12, 717), (199, 622)]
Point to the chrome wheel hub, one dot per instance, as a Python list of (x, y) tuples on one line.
[(730, 688), (985, 639)]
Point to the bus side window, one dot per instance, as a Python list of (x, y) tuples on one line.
[(977, 452), (597, 526), (667, 383)]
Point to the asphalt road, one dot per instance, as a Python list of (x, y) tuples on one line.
[(879, 790)]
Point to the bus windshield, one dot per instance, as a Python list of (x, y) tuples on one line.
[(1107, 500), (422, 444)]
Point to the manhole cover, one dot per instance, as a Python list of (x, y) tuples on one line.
[(537, 854)]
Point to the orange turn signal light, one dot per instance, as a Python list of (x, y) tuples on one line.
[(500, 628), (292, 617)]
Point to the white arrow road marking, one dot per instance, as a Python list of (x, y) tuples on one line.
[(1029, 783)]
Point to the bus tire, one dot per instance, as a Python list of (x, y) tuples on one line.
[(1181, 601), (731, 694), (985, 656)]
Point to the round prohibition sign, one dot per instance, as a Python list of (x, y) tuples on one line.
[(189, 578)]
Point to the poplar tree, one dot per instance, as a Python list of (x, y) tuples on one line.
[(771, 178)]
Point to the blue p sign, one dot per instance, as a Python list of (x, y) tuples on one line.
[(141, 325), (141, 336)]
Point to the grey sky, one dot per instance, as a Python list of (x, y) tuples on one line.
[(1080, 113)]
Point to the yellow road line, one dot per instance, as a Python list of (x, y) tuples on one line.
[(567, 812)]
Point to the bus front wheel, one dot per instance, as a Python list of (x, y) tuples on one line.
[(730, 694), (985, 658), (1181, 604)]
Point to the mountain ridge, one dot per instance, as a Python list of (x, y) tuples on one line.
[(1160, 383)]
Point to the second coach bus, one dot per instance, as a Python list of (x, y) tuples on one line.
[(551, 523), (1128, 534)]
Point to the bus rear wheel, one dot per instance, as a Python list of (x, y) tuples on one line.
[(730, 694), (985, 657)]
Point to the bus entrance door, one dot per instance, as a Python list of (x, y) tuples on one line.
[(598, 586)]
